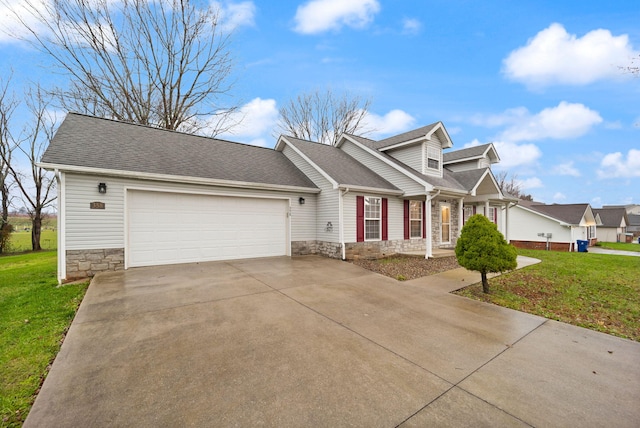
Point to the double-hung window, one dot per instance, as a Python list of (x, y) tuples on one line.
[(433, 159), (415, 219), (372, 218)]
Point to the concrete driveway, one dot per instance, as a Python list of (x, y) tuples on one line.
[(311, 341)]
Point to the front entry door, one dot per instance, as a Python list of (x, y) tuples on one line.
[(445, 222)]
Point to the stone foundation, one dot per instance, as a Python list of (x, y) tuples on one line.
[(379, 249), (322, 248), (86, 263)]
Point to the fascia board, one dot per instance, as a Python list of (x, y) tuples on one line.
[(176, 178), (371, 190)]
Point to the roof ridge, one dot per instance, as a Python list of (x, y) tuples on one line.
[(173, 131)]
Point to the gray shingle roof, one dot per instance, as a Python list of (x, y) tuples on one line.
[(407, 136), (450, 180), (469, 178), (470, 152), (634, 219), (85, 141), (567, 213), (343, 168), (611, 217)]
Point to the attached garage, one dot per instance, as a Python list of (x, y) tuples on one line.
[(168, 228)]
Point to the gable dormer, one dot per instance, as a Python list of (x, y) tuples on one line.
[(475, 157), (421, 149)]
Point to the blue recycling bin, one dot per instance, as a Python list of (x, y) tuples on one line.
[(582, 246)]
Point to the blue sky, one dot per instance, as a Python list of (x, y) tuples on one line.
[(540, 79)]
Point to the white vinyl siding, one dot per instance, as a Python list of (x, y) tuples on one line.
[(97, 229), (525, 226), (411, 156), (327, 200), (391, 174)]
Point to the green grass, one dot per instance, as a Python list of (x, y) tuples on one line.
[(34, 315), (21, 241), (596, 291), (624, 246)]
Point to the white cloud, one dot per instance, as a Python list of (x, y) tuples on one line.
[(11, 29), (565, 121), (254, 123), (530, 183), (554, 56), (411, 26), (394, 122), (614, 165), (318, 16), (559, 197), (234, 15), (566, 169), (511, 154)]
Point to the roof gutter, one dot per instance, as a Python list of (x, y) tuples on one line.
[(341, 194)]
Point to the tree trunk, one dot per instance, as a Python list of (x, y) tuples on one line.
[(485, 282), (36, 229)]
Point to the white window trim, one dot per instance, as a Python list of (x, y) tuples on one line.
[(431, 151), (443, 205), (420, 219), (379, 219)]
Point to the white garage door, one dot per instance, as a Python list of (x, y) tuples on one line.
[(168, 228)]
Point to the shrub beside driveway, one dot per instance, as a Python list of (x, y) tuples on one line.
[(34, 315), (597, 291)]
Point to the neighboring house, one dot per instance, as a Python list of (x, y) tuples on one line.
[(634, 224), (555, 227), (614, 222), (630, 208), (131, 195)]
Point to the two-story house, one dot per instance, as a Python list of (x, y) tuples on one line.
[(130, 195)]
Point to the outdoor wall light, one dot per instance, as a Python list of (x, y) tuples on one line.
[(301, 200), (102, 188)]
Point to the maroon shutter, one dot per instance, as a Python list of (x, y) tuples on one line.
[(495, 215), (406, 219), (360, 218), (385, 228), (424, 219)]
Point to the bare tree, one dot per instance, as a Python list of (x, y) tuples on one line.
[(324, 116), (158, 63), (512, 186), (8, 104), (36, 184)]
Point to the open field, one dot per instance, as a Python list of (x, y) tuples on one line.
[(21, 241), (597, 291), (34, 315)]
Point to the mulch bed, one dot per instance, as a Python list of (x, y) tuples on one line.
[(404, 268)]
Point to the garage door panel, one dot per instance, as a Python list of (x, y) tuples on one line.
[(165, 228)]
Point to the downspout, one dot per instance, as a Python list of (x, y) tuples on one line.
[(341, 222), (429, 250), (62, 258)]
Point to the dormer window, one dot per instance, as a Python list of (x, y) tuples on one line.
[(433, 158)]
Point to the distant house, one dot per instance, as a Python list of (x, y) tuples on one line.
[(633, 225), (131, 195), (614, 223), (555, 227), (630, 208)]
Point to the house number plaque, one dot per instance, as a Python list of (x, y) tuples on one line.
[(96, 205)]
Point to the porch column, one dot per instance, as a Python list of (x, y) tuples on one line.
[(506, 221), (429, 252), (460, 216), (486, 209)]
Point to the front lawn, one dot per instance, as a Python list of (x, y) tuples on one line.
[(34, 315), (597, 291)]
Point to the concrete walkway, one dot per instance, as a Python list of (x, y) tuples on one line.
[(598, 250), (311, 341)]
